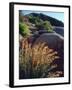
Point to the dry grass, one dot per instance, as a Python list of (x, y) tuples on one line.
[(36, 61)]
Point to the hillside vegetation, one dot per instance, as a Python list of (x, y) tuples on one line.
[(53, 21)]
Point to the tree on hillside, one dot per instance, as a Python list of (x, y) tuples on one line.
[(34, 19), (20, 16)]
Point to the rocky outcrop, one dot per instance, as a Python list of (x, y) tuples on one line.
[(59, 30)]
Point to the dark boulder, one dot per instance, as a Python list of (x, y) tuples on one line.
[(55, 42)]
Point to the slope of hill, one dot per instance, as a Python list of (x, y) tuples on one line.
[(53, 21)]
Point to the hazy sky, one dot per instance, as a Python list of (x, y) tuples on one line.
[(57, 15)]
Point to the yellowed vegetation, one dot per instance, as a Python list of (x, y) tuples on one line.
[(36, 61)]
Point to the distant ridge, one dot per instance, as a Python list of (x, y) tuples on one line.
[(53, 21)]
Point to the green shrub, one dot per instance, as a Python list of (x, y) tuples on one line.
[(47, 26), (24, 29)]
